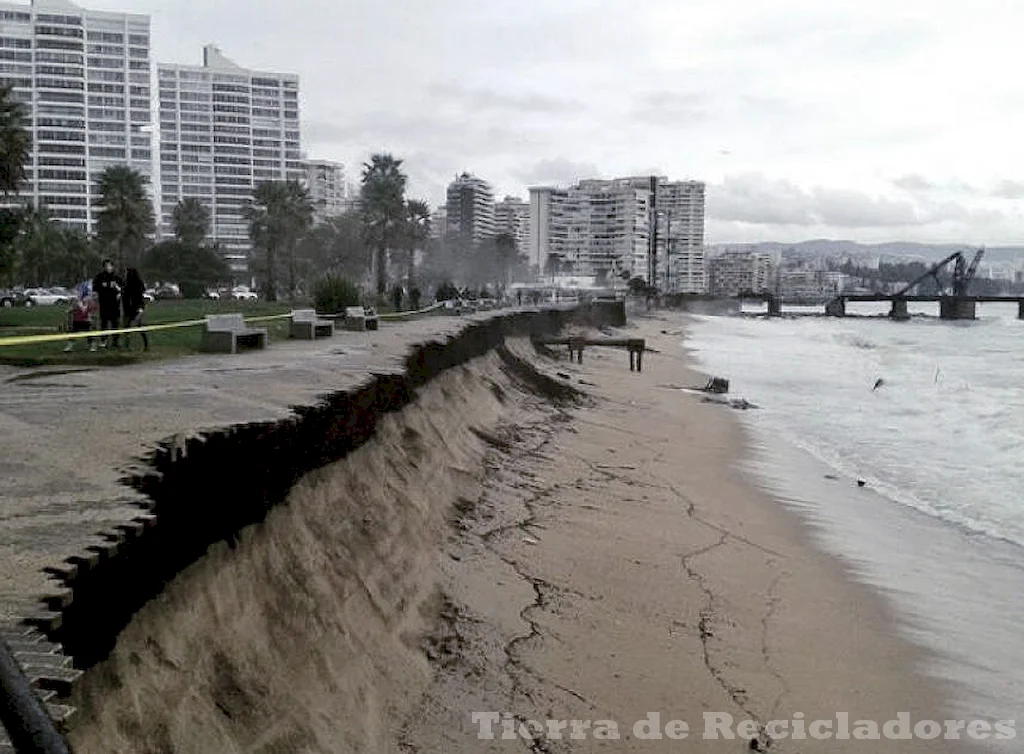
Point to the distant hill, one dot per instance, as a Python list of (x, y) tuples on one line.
[(822, 247)]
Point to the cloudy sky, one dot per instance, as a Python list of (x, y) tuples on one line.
[(870, 120)]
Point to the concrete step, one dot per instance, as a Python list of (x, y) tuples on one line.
[(44, 620), (60, 714), (40, 646), (42, 659), (54, 679)]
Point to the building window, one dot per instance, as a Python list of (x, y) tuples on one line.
[(108, 152), (112, 50), (57, 31), (60, 123), (106, 63), (61, 96), (106, 76), (104, 36), (44, 18), (58, 44), (45, 83)]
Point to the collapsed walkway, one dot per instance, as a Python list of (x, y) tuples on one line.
[(68, 436)]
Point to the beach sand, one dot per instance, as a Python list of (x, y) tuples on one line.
[(660, 581), (496, 552)]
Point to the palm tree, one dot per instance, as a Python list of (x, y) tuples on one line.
[(384, 213), (38, 247), (279, 216), (15, 151), (505, 251), (191, 221), (15, 142), (126, 215), (417, 233)]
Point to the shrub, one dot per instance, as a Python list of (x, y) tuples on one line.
[(446, 292), (333, 293)]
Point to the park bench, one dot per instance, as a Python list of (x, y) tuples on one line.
[(306, 325), (360, 318), (225, 332), (576, 344)]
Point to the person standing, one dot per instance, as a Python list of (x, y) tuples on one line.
[(82, 311), (107, 288), (133, 302)]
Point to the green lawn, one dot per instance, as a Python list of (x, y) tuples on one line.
[(163, 344)]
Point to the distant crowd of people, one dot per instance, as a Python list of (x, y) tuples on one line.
[(108, 302)]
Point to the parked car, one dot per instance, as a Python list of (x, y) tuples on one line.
[(166, 291), (149, 296), (241, 293), (12, 298), (46, 297), (213, 295)]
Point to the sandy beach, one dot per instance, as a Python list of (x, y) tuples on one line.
[(496, 557)]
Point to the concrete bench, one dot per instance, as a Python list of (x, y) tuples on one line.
[(306, 325), (360, 318), (576, 344), (225, 332)]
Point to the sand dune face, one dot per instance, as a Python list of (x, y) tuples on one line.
[(313, 633)]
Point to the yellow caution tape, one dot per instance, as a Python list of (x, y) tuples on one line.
[(397, 315), (22, 340)]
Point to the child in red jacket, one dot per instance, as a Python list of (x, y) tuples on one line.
[(82, 311)]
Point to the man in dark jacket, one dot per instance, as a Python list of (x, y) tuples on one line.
[(133, 301), (107, 288)]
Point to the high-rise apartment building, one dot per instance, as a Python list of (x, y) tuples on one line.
[(84, 77), (591, 229), (470, 209), (512, 216), (439, 223), (225, 129), (643, 227), (736, 271), (325, 182)]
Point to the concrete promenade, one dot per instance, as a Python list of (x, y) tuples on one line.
[(66, 439)]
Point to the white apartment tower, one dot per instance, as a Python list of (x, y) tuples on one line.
[(84, 78), (224, 130), (737, 271), (325, 182), (608, 228), (470, 209), (512, 216)]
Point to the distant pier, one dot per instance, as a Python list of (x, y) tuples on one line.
[(950, 307)]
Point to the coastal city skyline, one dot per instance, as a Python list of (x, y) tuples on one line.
[(769, 114)]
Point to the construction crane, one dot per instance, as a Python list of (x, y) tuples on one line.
[(962, 278), (962, 274)]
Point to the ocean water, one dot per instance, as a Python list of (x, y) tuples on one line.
[(938, 527)]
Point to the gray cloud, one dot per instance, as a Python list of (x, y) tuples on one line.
[(673, 109), (913, 182), (756, 200), (478, 99), (1009, 190), (558, 171)]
